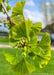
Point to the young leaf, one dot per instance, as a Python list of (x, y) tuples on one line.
[(18, 31), (45, 54), (19, 54), (33, 40), (8, 8), (23, 67), (5, 2), (45, 44), (15, 20), (37, 27), (35, 49), (32, 34), (42, 61), (13, 42), (18, 9), (12, 59), (21, 18), (28, 25)]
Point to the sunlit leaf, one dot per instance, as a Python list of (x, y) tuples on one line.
[(15, 20), (8, 8), (19, 31), (12, 59), (45, 54), (12, 42), (23, 67), (21, 18), (33, 40), (18, 9), (28, 25), (37, 27), (6, 5)]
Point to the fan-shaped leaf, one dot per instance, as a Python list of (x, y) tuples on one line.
[(18, 9), (18, 31), (37, 27), (23, 67), (21, 30), (45, 53), (12, 59), (33, 41)]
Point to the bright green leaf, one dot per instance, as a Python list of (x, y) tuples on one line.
[(43, 61), (37, 27), (12, 59), (45, 42), (19, 54), (23, 67), (21, 18), (31, 34), (18, 9), (18, 31), (33, 40), (28, 25), (12, 42), (8, 8), (5, 2), (35, 49), (15, 20), (45, 53)]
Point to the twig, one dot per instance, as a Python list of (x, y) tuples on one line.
[(8, 17)]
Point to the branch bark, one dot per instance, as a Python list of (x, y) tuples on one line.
[(9, 18)]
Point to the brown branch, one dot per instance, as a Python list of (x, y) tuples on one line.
[(9, 18)]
